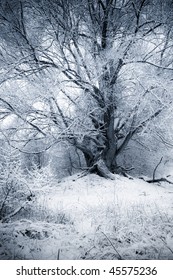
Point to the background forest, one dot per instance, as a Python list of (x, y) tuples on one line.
[(86, 89)]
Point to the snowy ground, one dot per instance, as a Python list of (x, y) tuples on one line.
[(93, 218)]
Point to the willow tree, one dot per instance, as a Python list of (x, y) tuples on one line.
[(106, 58)]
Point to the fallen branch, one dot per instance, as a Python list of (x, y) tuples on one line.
[(158, 180), (154, 180)]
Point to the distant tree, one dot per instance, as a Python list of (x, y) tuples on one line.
[(99, 72)]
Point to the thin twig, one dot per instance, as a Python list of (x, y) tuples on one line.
[(120, 257), (58, 255), (166, 245), (154, 172)]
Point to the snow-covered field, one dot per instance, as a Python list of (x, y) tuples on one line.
[(93, 218)]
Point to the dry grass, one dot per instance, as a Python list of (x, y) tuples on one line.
[(92, 219), (133, 234)]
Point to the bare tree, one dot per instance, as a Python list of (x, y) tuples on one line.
[(100, 67)]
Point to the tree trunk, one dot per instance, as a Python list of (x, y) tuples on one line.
[(103, 170), (105, 165)]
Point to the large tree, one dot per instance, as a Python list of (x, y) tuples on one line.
[(99, 71)]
